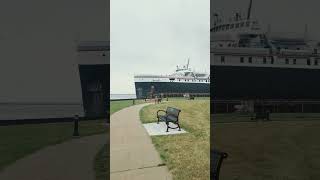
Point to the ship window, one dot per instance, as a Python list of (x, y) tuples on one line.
[(308, 61), (315, 51), (185, 80), (222, 59), (237, 25), (222, 28), (228, 26), (232, 26), (250, 59), (241, 59), (316, 62), (248, 23), (264, 60), (294, 61), (287, 61), (298, 48), (229, 45), (242, 24), (272, 60)]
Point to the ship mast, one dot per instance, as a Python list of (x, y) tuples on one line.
[(249, 10), (188, 63)]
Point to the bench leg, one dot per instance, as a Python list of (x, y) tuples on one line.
[(167, 123), (179, 126)]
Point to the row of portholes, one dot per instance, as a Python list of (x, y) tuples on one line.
[(191, 80), (287, 61), (231, 26)]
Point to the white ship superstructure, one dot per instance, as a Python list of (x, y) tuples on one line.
[(250, 62), (242, 42), (181, 75), (183, 80)]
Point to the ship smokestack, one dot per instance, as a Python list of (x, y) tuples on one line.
[(249, 10)]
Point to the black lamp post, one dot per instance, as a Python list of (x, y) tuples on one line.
[(76, 126)]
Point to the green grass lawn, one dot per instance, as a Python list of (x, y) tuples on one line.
[(186, 155), (118, 105), (272, 150), (18, 141)]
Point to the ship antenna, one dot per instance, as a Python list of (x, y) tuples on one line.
[(249, 10), (188, 63)]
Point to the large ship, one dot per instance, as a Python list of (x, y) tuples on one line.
[(183, 81), (251, 62)]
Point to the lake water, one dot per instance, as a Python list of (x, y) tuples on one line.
[(122, 96), (39, 111), (16, 111)]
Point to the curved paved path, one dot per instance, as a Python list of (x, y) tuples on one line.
[(132, 154), (66, 161)]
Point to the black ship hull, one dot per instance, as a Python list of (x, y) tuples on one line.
[(144, 89), (235, 82)]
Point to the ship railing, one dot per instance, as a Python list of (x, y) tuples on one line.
[(174, 77), (241, 50), (165, 95)]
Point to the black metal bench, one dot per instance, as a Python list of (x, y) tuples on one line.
[(216, 162), (171, 115)]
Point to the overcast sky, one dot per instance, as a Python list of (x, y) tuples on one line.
[(37, 47), (153, 36), (282, 15)]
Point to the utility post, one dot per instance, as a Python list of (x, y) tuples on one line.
[(76, 126)]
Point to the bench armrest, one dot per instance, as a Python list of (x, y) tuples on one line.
[(160, 111)]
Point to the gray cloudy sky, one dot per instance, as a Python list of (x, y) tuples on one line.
[(282, 15), (37, 47), (153, 36)]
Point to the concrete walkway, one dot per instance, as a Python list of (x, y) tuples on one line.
[(70, 160), (132, 154)]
